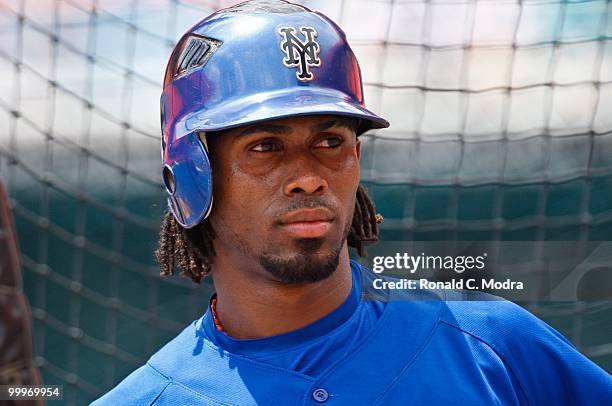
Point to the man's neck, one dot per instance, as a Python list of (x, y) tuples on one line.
[(250, 305)]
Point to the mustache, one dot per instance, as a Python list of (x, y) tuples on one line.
[(306, 203)]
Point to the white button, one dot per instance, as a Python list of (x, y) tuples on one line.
[(320, 395)]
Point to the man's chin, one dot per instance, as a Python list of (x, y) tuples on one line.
[(309, 265)]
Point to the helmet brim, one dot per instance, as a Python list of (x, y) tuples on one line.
[(297, 101)]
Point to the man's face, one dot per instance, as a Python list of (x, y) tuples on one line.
[(285, 194)]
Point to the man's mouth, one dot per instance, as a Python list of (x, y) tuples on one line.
[(307, 223)]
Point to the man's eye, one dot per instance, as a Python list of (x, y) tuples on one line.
[(330, 142), (265, 146)]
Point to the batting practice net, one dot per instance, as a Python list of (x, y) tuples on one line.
[(501, 130)]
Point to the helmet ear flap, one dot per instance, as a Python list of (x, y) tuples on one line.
[(187, 177)]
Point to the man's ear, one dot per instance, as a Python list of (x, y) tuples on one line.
[(358, 148)]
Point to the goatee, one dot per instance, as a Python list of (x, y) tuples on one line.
[(304, 267)]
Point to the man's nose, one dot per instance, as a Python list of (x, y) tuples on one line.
[(306, 180)]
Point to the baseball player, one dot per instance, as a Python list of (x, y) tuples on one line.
[(267, 97)]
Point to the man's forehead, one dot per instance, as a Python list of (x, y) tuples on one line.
[(287, 125)]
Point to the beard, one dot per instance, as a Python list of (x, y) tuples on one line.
[(308, 265), (302, 267)]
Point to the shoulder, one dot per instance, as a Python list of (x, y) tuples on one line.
[(141, 387), (489, 318), (146, 384), (191, 370), (495, 320), (500, 332), (513, 333), (535, 353)]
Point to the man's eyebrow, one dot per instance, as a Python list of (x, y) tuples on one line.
[(266, 128), (284, 130), (334, 122)]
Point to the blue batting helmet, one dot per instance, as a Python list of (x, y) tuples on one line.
[(259, 60)]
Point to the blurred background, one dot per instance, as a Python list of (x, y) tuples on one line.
[(499, 132)]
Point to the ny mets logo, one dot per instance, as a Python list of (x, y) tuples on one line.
[(300, 54)]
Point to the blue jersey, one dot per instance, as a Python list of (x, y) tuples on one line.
[(378, 348)]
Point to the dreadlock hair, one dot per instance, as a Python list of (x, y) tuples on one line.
[(192, 249)]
